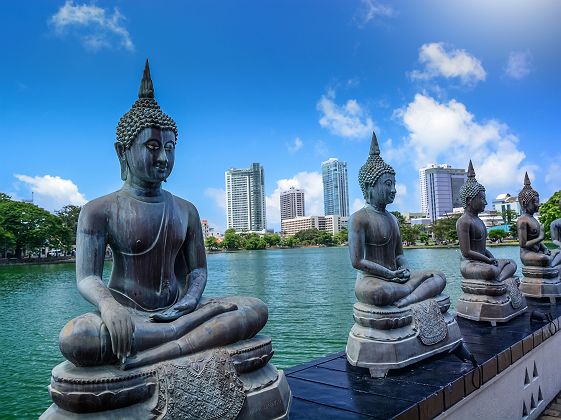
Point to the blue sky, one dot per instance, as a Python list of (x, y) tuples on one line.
[(286, 84)]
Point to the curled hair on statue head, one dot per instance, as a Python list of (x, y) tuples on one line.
[(145, 113), (527, 194), (471, 187), (373, 168)]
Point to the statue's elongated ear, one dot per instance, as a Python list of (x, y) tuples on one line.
[(120, 149)]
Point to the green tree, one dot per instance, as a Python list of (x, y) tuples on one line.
[(253, 241), (325, 238), (509, 218), (445, 228), (211, 243), (4, 197), (30, 226), (232, 240), (341, 237), (308, 236), (497, 235), (289, 241), (549, 211), (410, 233), (68, 215), (272, 239)]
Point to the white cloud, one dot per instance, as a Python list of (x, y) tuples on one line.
[(454, 63), (348, 120), (96, 28), (295, 146), (519, 64), (53, 192), (372, 9), (448, 132), (553, 173), (310, 182), (217, 195)]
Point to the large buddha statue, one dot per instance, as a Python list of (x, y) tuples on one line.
[(490, 289), (391, 295), (153, 343), (541, 265)]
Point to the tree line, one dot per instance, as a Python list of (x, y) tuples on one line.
[(250, 240), (25, 228)]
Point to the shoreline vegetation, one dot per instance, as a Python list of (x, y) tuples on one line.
[(72, 260)]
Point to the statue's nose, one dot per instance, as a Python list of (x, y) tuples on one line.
[(162, 157)]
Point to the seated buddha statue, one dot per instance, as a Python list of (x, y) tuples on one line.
[(541, 265), (531, 233), (401, 315), (152, 310), (490, 290), (375, 244)]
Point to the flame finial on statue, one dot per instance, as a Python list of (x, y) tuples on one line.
[(374, 167), (471, 187), (146, 89), (144, 113)]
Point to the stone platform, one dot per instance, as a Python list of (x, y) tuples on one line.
[(490, 301), (519, 375), (541, 283)]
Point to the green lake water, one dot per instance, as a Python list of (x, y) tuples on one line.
[(309, 292)]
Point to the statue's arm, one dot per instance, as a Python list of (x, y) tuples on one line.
[(555, 230), (523, 237), (195, 256), (463, 230), (91, 240), (356, 249)]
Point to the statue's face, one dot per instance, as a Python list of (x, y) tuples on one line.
[(534, 205), (151, 156), (383, 191), (478, 202)]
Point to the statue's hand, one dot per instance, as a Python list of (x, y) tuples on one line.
[(401, 275), (118, 321), (493, 261), (183, 307)]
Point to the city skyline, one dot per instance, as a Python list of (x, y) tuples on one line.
[(285, 84), (335, 187), (245, 198)]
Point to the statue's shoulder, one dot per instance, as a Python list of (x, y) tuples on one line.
[(184, 205), (99, 206)]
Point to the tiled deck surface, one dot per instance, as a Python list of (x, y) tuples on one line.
[(331, 388)]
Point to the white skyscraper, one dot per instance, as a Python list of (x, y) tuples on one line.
[(440, 189), (291, 204), (245, 198), (335, 187)]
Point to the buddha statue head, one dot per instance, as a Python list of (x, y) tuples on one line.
[(376, 177), (146, 137), (529, 198), (472, 193)]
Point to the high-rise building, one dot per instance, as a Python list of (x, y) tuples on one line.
[(335, 187), (291, 204), (440, 189), (245, 198)]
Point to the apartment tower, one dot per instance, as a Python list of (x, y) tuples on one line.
[(291, 204), (335, 187), (245, 198), (440, 189)]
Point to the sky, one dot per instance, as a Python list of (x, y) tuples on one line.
[(287, 84)]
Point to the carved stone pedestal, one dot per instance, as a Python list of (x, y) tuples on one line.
[(490, 301), (541, 282), (229, 382), (388, 337)]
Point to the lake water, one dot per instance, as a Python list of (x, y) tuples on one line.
[(309, 292)]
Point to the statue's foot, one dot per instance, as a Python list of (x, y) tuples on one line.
[(407, 300), (173, 313)]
